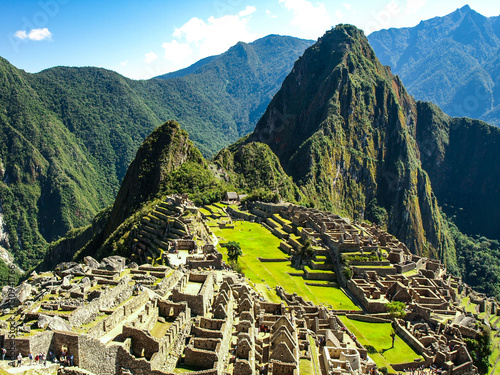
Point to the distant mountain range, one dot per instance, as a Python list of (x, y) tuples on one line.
[(453, 61), (341, 134), (68, 134)]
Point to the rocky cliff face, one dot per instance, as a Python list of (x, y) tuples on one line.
[(462, 159), (345, 129)]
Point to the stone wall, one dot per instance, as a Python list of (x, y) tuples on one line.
[(118, 315), (143, 344), (204, 359), (207, 333), (45, 342), (373, 306), (240, 215), (109, 298), (367, 318), (167, 309), (409, 338), (320, 276), (97, 357), (200, 303)]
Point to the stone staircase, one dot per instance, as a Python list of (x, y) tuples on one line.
[(156, 231)]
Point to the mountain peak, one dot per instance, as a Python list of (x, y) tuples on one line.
[(465, 8)]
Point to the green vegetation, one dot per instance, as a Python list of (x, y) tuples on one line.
[(306, 367), (8, 276), (378, 335), (160, 329), (233, 249), (68, 135), (479, 259), (256, 241), (396, 309), (480, 349), (421, 55)]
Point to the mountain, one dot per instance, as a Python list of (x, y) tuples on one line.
[(69, 134), (190, 69), (343, 128), (356, 143), (342, 134), (166, 163), (453, 61)]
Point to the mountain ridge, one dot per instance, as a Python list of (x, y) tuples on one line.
[(424, 57), (80, 128)]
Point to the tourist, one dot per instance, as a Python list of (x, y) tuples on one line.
[(44, 359), (71, 360), (30, 356), (4, 351), (19, 360)]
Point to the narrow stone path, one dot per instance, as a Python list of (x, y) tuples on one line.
[(118, 329)]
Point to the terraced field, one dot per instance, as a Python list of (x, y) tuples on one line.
[(256, 241), (378, 336)]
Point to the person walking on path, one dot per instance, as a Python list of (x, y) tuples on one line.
[(19, 360), (4, 351)]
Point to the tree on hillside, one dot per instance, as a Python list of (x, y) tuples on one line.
[(396, 309), (233, 251), (480, 349), (304, 252), (393, 336)]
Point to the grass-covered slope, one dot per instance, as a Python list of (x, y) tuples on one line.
[(49, 181), (166, 163), (68, 134), (254, 168)]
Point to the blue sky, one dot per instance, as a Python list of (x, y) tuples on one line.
[(142, 39)]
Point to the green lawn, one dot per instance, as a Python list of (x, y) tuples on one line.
[(314, 356), (205, 212), (257, 241), (306, 367), (378, 335)]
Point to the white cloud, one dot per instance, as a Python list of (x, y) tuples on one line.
[(268, 13), (247, 11), (21, 34), (34, 34), (124, 63), (198, 38), (40, 34), (347, 6), (176, 52), (313, 20), (150, 57), (339, 15)]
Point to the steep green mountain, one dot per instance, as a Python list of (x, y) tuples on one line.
[(453, 61), (244, 79), (69, 134), (343, 127), (355, 142), (49, 181), (166, 163)]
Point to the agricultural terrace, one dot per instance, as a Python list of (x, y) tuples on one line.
[(378, 336), (256, 241)]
